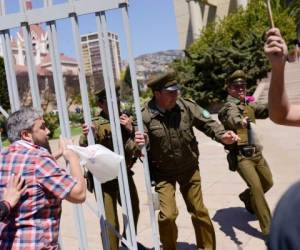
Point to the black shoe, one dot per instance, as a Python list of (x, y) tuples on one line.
[(139, 245), (123, 246), (247, 204)]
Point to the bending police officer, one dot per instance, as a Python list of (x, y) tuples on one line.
[(245, 156), (173, 157), (102, 133)]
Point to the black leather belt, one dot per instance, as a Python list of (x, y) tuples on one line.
[(247, 151)]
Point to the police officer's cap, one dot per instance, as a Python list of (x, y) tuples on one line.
[(167, 81), (101, 94), (238, 77)]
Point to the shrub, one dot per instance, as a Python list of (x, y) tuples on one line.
[(236, 42), (52, 122), (4, 98), (3, 125), (76, 118)]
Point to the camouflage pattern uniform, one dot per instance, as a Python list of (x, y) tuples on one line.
[(110, 189)]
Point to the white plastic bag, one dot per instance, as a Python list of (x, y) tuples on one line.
[(103, 163)]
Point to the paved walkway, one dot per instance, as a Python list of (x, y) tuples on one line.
[(292, 82), (235, 227)]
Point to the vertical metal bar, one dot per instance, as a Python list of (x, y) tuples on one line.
[(2, 7), (63, 114), (154, 225), (115, 125), (9, 67), (8, 73), (3, 112), (12, 72), (22, 6), (60, 243), (64, 117), (88, 120), (33, 81), (58, 82), (61, 104)]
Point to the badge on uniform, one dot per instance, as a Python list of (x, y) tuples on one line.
[(205, 114)]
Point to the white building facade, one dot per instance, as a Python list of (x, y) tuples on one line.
[(193, 15)]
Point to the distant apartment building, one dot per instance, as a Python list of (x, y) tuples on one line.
[(92, 58), (193, 15)]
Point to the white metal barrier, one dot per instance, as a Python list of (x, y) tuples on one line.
[(71, 9)]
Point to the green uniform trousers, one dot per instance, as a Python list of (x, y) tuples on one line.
[(190, 188), (111, 197), (256, 173)]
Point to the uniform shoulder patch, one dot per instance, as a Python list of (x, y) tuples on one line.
[(100, 120), (189, 100), (146, 115), (205, 114)]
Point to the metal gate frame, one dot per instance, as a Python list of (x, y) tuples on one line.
[(49, 14)]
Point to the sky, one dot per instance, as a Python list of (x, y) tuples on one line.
[(152, 23)]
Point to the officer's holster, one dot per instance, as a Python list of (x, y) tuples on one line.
[(232, 159)]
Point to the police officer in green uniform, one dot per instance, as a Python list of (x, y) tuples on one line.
[(173, 157), (245, 156), (103, 136)]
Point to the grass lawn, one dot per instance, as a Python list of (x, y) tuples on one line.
[(74, 131)]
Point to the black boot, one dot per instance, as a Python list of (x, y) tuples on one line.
[(243, 197)]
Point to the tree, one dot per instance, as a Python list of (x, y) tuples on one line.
[(4, 98), (126, 85), (72, 89), (236, 42), (291, 7)]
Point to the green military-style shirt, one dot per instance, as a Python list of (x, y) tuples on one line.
[(234, 111), (103, 136), (173, 145)]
